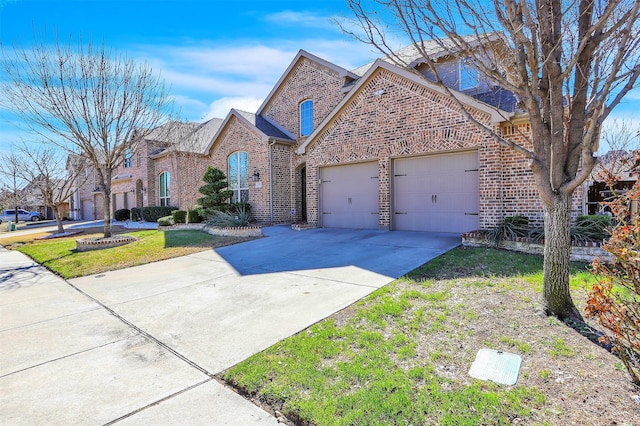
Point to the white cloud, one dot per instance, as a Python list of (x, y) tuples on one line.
[(301, 19), (221, 107)]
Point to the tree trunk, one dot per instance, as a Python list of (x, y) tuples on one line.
[(106, 215), (557, 248), (56, 214)]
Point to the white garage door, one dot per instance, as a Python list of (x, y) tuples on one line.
[(438, 193), (349, 196)]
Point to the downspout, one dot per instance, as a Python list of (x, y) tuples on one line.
[(273, 142)]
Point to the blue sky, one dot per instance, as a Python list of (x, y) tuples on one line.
[(214, 54)]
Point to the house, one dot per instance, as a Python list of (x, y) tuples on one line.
[(378, 147)]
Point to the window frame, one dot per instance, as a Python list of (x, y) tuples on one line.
[(306, 117), (128, 158), (164, 182), (238, 182)]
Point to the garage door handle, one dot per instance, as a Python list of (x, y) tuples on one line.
[(400, 175), (472, 214), (326, 212), (401, 213), (375, 212)]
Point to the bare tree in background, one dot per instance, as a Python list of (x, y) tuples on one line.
[(622, 136), (84, 98), (11, 189), (53, 173), (569, 64)]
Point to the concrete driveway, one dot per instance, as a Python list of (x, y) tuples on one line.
[(141, 345)]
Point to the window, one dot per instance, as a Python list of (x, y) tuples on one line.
[(127, 158), (468, 77), (165, 183), (306, 117), (138, 158), (239, 176)]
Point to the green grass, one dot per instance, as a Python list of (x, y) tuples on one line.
[(59, 254), (381, 361)]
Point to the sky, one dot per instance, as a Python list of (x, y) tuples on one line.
[(215, 54)]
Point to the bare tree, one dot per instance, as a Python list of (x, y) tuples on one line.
[(10, 169), (569, 64), (622, 138), (53, 173), (84, 98)]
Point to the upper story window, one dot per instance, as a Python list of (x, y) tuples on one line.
[(238, 177), (469, 78), (165, 193), (128, 155), (138, 158), (306, 117)]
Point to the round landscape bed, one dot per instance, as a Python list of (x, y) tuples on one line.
[(86, 244)]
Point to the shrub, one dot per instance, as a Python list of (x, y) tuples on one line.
[(591, 228), (166, 221), (215, 194), (179, 216), (614, 298), (239, 217), (193, 216), (122, 214), (136, 214), (152, 214), (512, 226)]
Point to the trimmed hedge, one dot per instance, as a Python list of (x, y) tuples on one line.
[(179, 216), (166, 221), (152, 214), (193, 216), (136, 214), (122, 214)]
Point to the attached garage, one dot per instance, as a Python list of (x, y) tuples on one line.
[(437, 193), (349, 196)]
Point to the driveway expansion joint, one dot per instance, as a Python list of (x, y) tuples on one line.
[(143, 332)]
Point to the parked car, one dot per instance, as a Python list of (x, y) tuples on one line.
[(23, 215)]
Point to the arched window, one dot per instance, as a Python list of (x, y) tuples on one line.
[(306, 117), (165, 183), (127, 157), (238, 177)]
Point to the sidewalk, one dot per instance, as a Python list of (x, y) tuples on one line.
[(67, 359)]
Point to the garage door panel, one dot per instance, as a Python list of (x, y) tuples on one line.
[(349, 196), (437, 193)]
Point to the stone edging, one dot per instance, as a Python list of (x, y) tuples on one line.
[(581, 252), (234, 231), (86, 244)]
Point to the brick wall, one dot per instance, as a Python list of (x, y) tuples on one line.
[(410, 119), (307, 80), (237, 136)]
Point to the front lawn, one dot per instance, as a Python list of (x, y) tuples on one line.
[(59, 254), (401, 356)]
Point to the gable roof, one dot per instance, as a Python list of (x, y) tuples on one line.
[(342, 72), (435, 49), (259, 125), (497, 115), (185, 136)]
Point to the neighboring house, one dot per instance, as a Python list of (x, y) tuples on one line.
[(34, 200), (86, 201), (165, 168), (379, 147)]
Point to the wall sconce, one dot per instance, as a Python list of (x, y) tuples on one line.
[(256, 176)]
